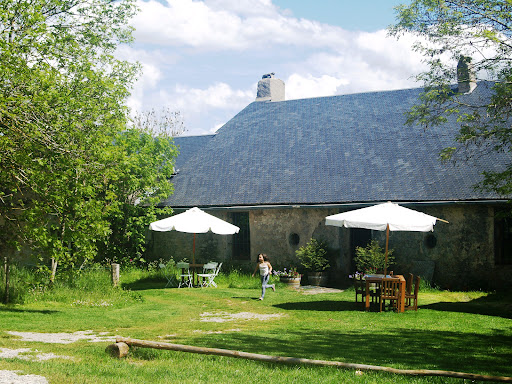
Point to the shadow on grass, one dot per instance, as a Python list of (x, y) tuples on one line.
[(146, 283), (403, 348), (322, 305), (496, 304), (499, 305), (4, 308)]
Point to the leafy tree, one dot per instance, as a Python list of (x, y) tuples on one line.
[(144, 168), (479, 32), (372, 258), (62, 97)]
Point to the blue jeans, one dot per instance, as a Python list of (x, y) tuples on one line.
[(264, 284)]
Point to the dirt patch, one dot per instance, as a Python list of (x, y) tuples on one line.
[(314, 290), (28, 354), (217, 332), (221, 317), (64, 338), (12, 377)]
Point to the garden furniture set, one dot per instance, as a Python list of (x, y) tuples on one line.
[(392, 288)]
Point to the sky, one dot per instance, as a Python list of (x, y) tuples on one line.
[(204, 58)]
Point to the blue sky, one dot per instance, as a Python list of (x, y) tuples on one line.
[(365, 15), (204, 58)]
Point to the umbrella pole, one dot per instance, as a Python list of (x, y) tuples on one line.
[(386, 254), (194, 250)]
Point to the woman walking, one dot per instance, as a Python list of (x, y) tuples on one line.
[(265, 270)]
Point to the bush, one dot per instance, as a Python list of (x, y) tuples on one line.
[(312, 256), (372, 258)]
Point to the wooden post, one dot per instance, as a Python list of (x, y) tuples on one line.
[(115, 274), (298, 360), (54, 270)]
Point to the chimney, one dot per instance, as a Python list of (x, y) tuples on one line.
[(270, 88), (466, 75)]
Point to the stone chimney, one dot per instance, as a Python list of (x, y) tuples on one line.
[(466, 76), (270, 88)]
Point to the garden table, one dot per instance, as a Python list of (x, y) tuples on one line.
[(378, 280)]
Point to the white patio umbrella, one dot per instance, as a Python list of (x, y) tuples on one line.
[(194, 221), (385, 217)]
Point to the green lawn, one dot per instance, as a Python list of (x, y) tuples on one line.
[(454, 331)]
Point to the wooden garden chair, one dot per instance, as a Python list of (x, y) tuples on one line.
[(359, 287), (411, 299), (390, 290)]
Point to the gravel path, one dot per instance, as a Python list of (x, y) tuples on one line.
[(12, 377)]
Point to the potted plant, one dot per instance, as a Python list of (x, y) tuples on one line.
[(371, 259), (313, 258), (289, 276)]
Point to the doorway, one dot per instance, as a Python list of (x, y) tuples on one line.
[(359, 237), (242, 240)]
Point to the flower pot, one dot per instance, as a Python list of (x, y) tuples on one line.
[(291, 281), (317, 278)]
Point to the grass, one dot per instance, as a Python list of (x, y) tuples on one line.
[(456, 331)]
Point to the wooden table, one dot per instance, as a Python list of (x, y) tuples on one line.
[(378, 280)]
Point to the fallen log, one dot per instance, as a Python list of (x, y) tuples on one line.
[(297, 360), (118, 350)]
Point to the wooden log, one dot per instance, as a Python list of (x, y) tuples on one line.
[(297, 360), (118, 350)]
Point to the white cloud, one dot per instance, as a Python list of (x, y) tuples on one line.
[(299, 87), (230, 25), (205, 110), (204, 58), (245, 8), (218, 95)]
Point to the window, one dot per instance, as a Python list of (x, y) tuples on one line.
[(502, 237), (242, 240)]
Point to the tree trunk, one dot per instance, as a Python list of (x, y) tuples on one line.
[(6, 274), (54, 270)]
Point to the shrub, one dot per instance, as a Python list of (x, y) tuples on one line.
[(372, 258), (312, 256)]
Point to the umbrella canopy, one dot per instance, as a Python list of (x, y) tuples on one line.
[(194, 221), (384, 217)]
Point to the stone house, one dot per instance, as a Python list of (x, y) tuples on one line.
[(278, 168)]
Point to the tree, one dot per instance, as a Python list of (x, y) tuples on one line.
[(479, 32), (62, 103), (145, 165), (164, 122)]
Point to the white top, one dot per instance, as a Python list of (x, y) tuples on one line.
[(263, 269)]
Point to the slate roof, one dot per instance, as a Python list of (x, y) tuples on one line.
[(329, 150), (189, 146)]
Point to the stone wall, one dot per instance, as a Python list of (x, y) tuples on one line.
[(280, 232), (458, 255)]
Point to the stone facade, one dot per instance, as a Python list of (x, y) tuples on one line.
[(458, 255)]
